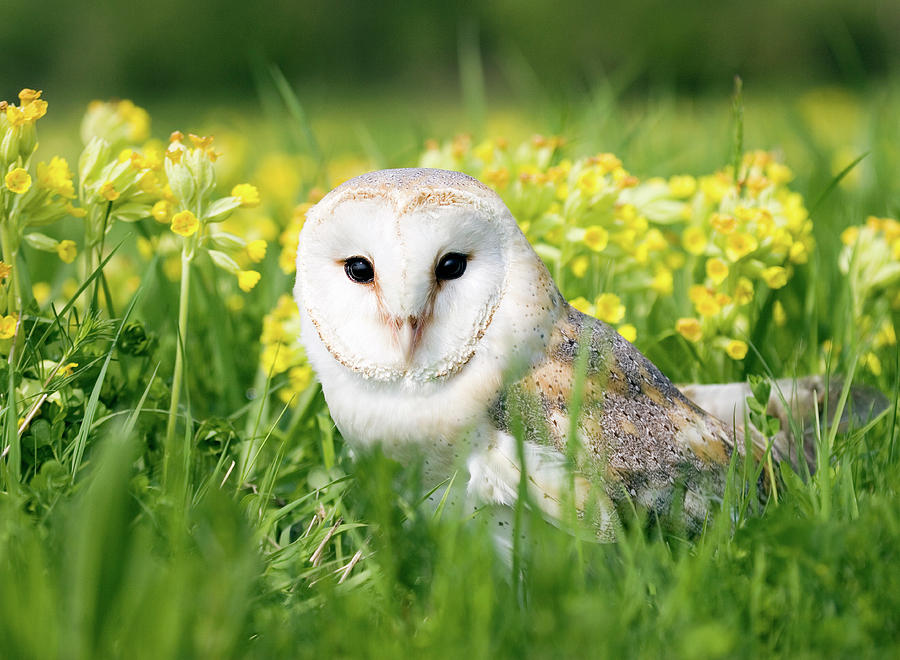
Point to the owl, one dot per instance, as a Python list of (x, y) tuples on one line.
[(438, 334)]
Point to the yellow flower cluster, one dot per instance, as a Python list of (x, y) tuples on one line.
[(710, 244), (870, 258), (282, 353), (191, 182), (118, 123)]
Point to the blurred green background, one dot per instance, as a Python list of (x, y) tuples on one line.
[(152, 51)]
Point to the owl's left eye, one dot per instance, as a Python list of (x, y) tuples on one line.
[(451, 266)]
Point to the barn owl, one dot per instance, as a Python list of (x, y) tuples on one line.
[(432, 325)]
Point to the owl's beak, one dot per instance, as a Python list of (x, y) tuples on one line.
[(407, 332)]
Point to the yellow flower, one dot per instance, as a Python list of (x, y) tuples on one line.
[(67, 251), (185, 223), (300, 377), (56, 177), (736, 349), (682, 186), (739, 246), (775, 277), (662, 282), (34, 110), (694, 240), (715, 187), (778, 173), (498, 178), (607, 162), (256, 250), (596, 238), (873, 363), (716, 270), (743, 291), (108, 192), (850, 235), (7, 326), (41, 292), (765, 224), (27, 95), (724, 224), (628, 331), (609, 308), (277, 358), (247, 279), (707, 306), (5, 270), (247, 193), (484, 151), (18, 181), (778, 314), (690, 329), (579, 266), (581, 304), (799, 253), (68, 368), (75, 212), (161, 211), (886, 335), (590, 181)]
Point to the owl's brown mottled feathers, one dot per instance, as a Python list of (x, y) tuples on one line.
[(638, 431)]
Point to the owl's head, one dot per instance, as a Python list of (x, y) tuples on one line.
[(401, 272)]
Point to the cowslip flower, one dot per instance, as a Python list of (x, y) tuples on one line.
[(108, 192), (724, 224), (775, 277), (67, 251), (247, 279), (596, 238), (694, 240), (5, 270), (161, 211), (716, 270), (736, 349), (743, 291), (609, 308), (582, 304), (8, 326), (628, 332), (682, 186), (778, 314), (18, 181), (579, 266), (247, 193), (689, 328), (185, 223), (256, 250), (739, 245), (56, 177)]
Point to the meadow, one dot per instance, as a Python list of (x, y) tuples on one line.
[(171, 484)]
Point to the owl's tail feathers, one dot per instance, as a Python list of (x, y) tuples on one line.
[(801, 406)]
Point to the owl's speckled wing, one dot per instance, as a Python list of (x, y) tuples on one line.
[(638, 432)]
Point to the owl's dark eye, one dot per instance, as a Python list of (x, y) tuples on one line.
[(359, 269), (451, 266)]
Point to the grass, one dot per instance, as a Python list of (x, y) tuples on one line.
[(255, 535)]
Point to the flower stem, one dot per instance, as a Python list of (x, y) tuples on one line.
[(10, 254), (187, 255)]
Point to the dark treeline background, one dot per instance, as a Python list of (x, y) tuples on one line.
[(209, 47)]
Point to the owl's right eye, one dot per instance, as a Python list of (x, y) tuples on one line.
[(359, 269)]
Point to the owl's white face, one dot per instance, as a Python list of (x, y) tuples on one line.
[(402, 291)]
